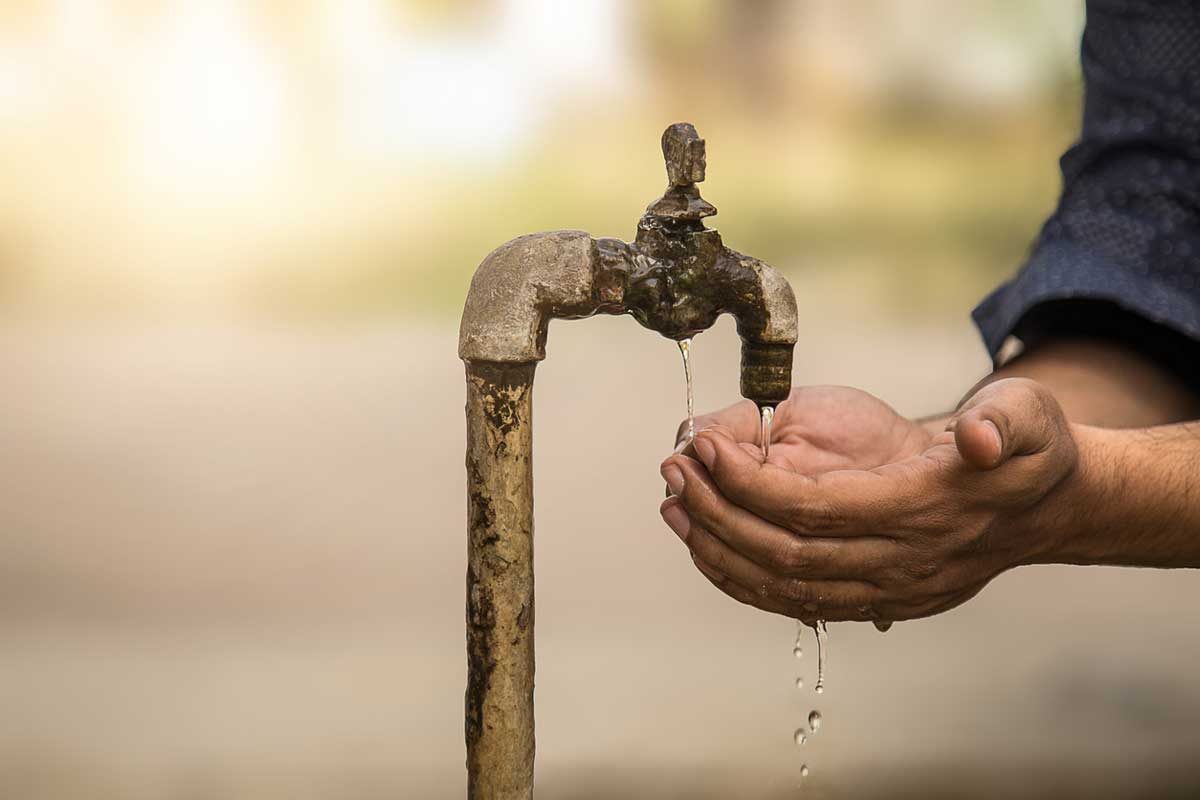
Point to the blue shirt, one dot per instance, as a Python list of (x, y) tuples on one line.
[(1120, 256)]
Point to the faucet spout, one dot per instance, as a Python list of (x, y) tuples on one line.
[(676, 277)]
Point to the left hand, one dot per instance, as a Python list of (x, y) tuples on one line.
[(903, 540)]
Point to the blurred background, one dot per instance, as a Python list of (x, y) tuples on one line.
[(234, 242)]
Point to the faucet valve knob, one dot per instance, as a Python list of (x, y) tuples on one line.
[(683, 151)]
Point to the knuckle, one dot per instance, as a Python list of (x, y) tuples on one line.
[(700, 504), (715, 557), (796, 590), (1027, 390), (791, 557), (735, 482), (919, 571), (815, 517), (874, 565)]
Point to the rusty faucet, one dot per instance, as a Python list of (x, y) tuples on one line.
[(676, 278)]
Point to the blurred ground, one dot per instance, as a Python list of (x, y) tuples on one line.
[(232, 567)]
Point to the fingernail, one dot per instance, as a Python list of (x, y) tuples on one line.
[(706, 451), (677, 520), (674, 478), (996, 432)]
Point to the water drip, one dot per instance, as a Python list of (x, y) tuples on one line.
[(764, 433), (685, 349)]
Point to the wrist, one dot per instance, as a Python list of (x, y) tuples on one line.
[(1068, 520), (1104, 383)]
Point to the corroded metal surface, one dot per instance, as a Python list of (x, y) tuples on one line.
[(676, 278), (519, 288), (499, 701)]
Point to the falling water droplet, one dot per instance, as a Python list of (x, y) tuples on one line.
[(798, 651), (822, 647), (799, 683), (685, 349), (804, 770), (764, 437), (800, 736), (814, 720)]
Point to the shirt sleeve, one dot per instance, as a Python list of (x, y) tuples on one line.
[(1120, 256)]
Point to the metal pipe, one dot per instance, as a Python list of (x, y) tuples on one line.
[(676, 278), (499, 707)]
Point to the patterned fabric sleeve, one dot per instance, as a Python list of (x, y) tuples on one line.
[(1120, 256)]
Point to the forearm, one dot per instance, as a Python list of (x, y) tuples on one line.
[(1104, 384), (1097, 382), (1133, 500)]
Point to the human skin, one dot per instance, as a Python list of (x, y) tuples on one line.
[(1079, 452)]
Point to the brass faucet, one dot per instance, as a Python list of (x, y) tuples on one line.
[(676, 278)]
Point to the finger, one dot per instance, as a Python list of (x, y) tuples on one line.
[(742, 420), (931, 605), (811, 596), (1011, 417), (737, 592), (747, 582), (840, 503), (775, 549)]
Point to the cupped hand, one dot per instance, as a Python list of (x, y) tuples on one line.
[(819, 429), (903, 539)]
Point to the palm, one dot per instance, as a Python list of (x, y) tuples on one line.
[(823, 428)]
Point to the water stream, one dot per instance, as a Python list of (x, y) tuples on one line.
[(764, 432), (802, 734), (685, 349), (822, 646)]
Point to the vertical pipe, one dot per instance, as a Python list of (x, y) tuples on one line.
[(499, 700)]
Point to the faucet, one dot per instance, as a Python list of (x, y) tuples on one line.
[(676, 278)]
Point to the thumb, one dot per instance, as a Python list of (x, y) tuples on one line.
[(1011, 417)]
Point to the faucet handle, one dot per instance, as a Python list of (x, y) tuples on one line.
[(683, 151)]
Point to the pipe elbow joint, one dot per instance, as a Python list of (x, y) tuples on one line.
[(519, 287)]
